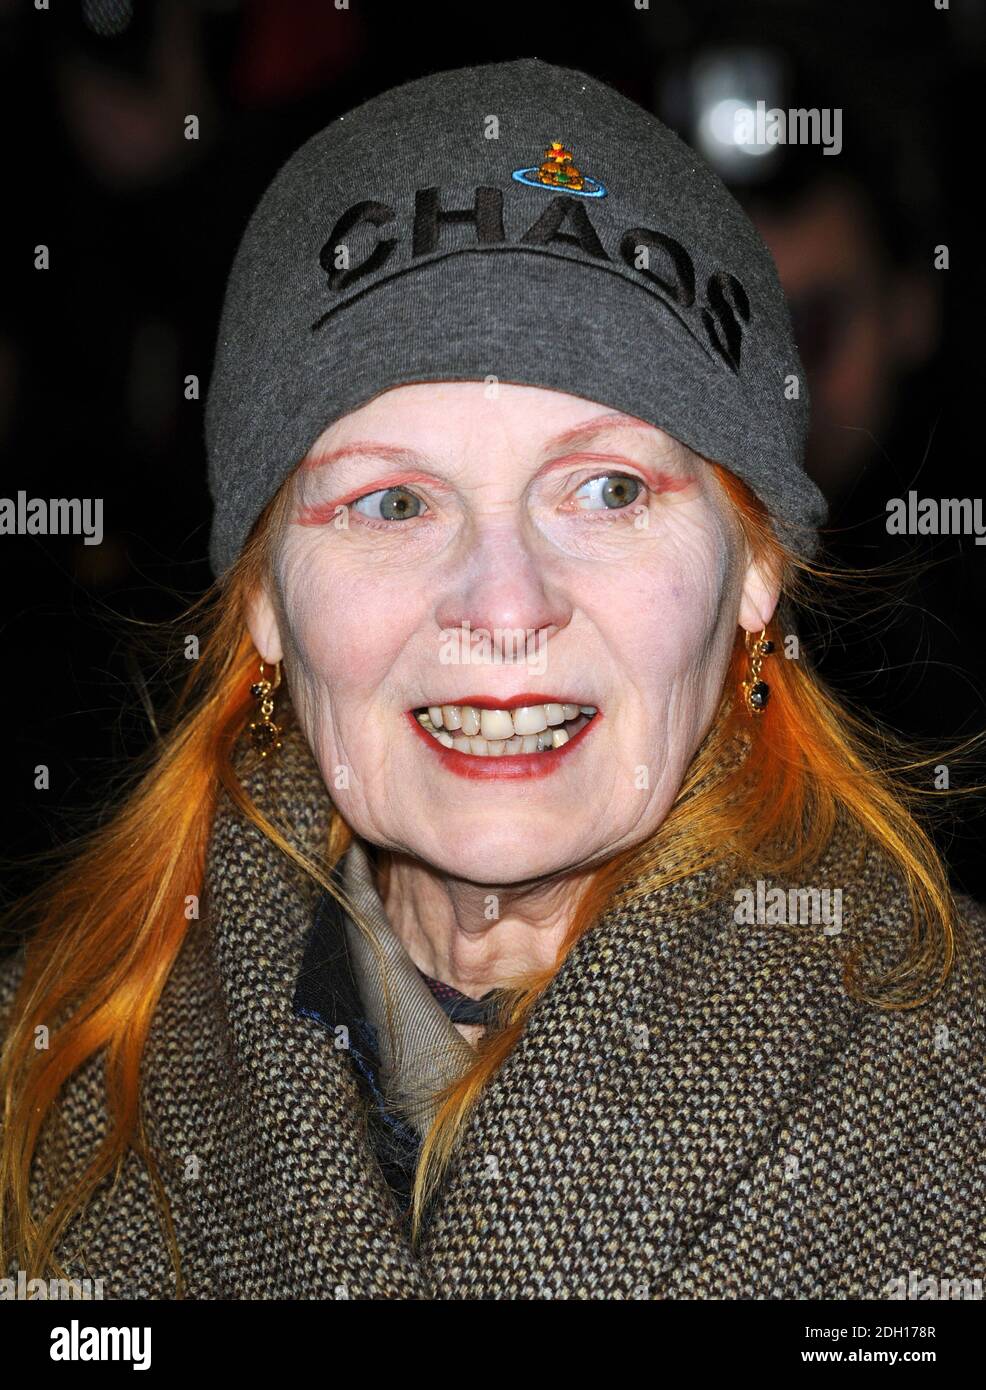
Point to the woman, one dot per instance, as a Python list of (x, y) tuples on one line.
[(511, 912)]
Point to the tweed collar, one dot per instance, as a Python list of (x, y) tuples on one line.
[(662, 1057)]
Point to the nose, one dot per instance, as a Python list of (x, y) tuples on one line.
[(503, 586)]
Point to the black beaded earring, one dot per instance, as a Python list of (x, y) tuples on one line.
[(756, 692)]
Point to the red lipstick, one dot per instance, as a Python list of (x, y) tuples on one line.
[(520, 701), (508, 766)]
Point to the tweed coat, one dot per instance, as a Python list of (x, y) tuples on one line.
[(696, 1109)]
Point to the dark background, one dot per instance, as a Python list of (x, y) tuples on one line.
[(142, 226)]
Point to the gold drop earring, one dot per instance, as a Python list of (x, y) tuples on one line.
[(265, 733), (756, 692)]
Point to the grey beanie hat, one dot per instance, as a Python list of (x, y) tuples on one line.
[(519, 221)]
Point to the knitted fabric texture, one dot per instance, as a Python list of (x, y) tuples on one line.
[(695, 1110)]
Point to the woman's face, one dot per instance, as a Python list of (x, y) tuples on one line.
[(484, 552)]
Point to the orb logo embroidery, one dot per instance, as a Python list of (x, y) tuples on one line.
[(558, 170)]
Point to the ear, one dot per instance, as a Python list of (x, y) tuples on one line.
[(262, 622), (761, 592)]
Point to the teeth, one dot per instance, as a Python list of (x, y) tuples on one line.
[(496, 723), (530, 719), (492, 733)]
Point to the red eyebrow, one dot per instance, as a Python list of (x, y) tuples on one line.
[(396, 453), (408, 458), (590, 428)]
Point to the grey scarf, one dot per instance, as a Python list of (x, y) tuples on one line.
[(421, 1051)]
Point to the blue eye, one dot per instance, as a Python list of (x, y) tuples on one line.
[(389, 504), (612, 490)]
